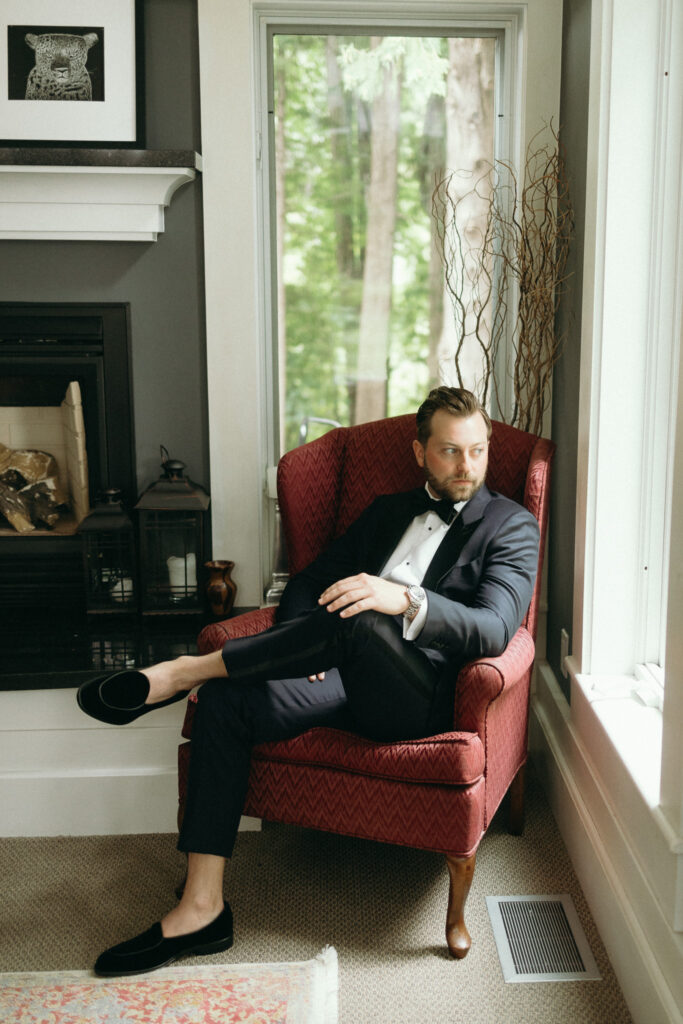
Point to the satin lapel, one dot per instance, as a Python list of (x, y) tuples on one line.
[(462, 529), (392, 530)]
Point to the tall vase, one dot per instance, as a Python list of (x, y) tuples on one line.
[(221, 588)]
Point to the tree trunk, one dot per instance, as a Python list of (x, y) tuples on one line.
[(432, 170), (373, 340), (280, 228), (469, 148), (340, 130)]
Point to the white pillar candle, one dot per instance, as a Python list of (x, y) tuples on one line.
[(182, 574)]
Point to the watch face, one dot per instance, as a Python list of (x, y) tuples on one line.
[(416, 596)]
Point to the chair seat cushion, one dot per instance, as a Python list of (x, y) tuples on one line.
[(453, 758)]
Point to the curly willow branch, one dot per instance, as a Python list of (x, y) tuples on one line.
[(515, 261)]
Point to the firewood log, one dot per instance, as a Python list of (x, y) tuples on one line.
[(15, 509), (45, 501)]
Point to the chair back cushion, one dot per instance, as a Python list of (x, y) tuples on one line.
[(378, 459), (509, 453)]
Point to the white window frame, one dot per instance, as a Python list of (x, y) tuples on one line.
[(507, 22), (439, 20), (237, 314), (630, 435)]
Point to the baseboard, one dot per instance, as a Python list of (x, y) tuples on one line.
[(643, 949), (93, 805), (89, 805), (61, 773)]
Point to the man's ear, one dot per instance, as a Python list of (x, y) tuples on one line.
[(419, 453)]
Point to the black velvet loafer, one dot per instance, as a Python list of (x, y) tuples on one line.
[(119, 698), (149, 951)]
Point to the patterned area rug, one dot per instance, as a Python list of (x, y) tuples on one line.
[(287, 993)]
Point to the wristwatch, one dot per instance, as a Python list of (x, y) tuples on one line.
[(416, 596)]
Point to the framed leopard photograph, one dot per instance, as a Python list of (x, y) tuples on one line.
[(67, 83)]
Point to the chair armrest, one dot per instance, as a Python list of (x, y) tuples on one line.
[(482, 681), (213, 636)]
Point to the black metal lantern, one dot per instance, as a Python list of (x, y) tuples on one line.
[(171, 516), (109, 562)]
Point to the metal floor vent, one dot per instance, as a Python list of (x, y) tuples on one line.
[(540, 938)]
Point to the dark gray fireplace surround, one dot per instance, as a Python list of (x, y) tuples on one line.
[(49, 640)]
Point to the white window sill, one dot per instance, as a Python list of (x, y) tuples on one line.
[(633, 728)]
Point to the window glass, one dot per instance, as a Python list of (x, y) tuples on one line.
[(363, 128)]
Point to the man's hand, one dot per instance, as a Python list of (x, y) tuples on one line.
[(364, 593)]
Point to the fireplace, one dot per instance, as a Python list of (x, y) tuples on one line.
[(45, 348), (47, 351)]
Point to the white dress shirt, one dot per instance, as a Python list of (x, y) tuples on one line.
[(412, 555)]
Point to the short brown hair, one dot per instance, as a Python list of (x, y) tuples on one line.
[(456, 401)]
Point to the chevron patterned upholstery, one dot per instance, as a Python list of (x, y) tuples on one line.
[(439, 793)]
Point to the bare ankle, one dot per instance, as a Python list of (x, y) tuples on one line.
[(195, 910), (203, 896)]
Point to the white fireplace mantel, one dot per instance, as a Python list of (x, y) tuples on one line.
[(90, 195)]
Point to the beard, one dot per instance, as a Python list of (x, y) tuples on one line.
[(448, 488)]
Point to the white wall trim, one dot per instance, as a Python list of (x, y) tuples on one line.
[(629, 344), (629, 393), (643, 947), (93, 203), (62, 773)]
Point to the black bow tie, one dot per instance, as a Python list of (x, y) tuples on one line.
[(443, 508)]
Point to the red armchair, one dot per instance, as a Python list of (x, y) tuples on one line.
[(438, 793)]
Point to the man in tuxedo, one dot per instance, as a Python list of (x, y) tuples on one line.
[(369, 638)]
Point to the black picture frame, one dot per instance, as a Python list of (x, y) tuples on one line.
[(96, 101)]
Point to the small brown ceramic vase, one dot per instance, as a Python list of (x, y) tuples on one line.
[(220, 588)]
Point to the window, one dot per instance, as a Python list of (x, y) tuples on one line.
[(363, 127), (244, 434), (630, 354)]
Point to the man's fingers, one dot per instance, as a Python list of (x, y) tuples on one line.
[(363, 593), (353, 609), (350, 597), (343, 587)]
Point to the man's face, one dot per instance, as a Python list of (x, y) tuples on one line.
[(456, 455)]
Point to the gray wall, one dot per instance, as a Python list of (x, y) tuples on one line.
[(573, 133), (162, 280)]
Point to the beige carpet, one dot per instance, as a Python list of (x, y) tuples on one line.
[(294, 891)]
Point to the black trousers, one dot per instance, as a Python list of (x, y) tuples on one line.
[(376, 684)]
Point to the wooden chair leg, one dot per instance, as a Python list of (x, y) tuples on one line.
[(461, 870), (516, 804)]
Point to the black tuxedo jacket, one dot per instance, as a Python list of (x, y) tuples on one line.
[(479, 583)]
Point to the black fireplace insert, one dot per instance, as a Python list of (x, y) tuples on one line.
[(47, 636)]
